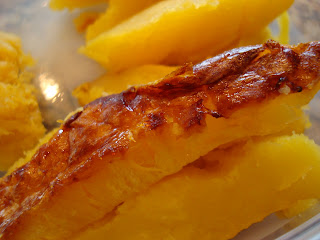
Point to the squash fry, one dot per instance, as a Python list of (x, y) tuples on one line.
[(118, 146), (179, 31)]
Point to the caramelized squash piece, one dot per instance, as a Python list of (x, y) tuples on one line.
[(20, 118), (115, 83), (122, 144), (72, 4), (221, 194), (179, 31)]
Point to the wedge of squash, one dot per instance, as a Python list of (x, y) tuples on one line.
[(118, 146), (179, 31)]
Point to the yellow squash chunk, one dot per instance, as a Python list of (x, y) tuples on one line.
[(117, 147), (72, 4), (115, 83), (118, 11), (178, 31), (20, 118), (226, 192)]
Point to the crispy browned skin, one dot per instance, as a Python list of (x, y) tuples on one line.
[(230, 81)]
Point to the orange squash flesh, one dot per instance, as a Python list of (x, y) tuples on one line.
[(120, 145)]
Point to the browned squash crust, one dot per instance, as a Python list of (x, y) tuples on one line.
[(121, 144)]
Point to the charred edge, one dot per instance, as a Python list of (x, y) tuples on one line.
[(214, 114), (185, 71), (271, 44), (280, 81), (128, 96), (294, 87), (299, 89), (155, 120), (292, 57), (75, 179), (166, 86), (74, 117), (180, 80), (188, 84), (197, 114)]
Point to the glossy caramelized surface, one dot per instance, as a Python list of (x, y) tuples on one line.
[(99, 136)]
